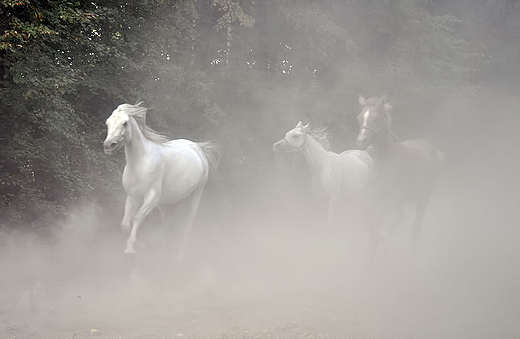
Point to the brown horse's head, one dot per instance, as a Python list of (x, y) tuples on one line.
[(374, 118)]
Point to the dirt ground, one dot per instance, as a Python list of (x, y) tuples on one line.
[(269, 282)]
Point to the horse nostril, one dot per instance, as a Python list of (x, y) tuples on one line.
[(112, 145)]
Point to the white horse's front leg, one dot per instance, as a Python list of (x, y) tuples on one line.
[(151, 199), (131, 208)]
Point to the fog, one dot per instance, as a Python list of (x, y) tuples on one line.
[(263, 264)]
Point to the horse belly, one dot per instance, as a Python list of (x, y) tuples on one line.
[(178, 185), (169, 197)]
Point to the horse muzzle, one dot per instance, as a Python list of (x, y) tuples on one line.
[(280, 147), (363, 140), (110, 147), (362, 143)]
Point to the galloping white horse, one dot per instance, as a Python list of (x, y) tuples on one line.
[(158, 172), (340, 178)]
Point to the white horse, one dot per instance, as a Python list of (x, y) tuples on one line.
[(158, 172), (340, 178)]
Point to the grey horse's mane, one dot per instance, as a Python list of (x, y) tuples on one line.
[(138, 112), (321, 136)]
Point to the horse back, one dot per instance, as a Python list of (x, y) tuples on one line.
[(409, 170), (184, 168), (421, 153), (357, 156)]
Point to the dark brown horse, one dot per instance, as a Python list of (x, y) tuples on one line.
[(404, 171)]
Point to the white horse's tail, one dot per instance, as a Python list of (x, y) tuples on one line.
[(212, 153)]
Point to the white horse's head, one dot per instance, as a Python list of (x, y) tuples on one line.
[(293, 140), (119, 132)]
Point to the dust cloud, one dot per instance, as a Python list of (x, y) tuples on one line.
[(272, 269)]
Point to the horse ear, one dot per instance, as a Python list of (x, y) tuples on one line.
[(299, 124), (307, 127), (384, 102), (362, 100)]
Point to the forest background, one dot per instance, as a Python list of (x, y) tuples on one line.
[(240, 73)]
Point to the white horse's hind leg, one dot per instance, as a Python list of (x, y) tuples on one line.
[(186, 228), (131, 208), (150, 202)]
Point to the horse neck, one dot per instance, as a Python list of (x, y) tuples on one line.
[(135, 149), (384, 142), (315, 154)]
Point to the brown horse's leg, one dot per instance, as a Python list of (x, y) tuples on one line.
[(372, 225), (375, 217)]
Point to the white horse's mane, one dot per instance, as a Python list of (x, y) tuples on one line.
[(138, 112), (321, 136)]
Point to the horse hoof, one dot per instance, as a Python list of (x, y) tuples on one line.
[(129, 250)]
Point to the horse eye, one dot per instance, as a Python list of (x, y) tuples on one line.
[(125, 123)]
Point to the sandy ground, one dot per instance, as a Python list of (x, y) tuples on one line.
[(266, 282)]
